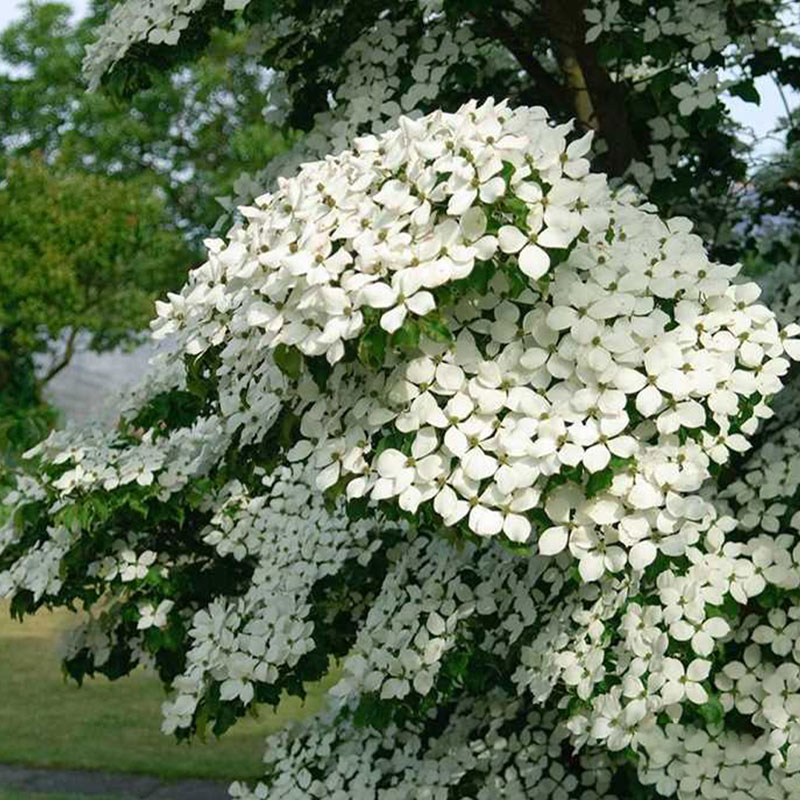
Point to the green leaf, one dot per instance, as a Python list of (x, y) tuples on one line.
[(619, 464), (539, 518), (712, 711), (288, 428), (771, 597), (320, 370), (476, 282), (599, 481), (372, 347), (518, 281), (357, 508), (435, 328), (406, 337), (333, 493), (574, 474), (517, 548), (21, 604), (747, 91), (455, 665), (372, 711), (289, 361)]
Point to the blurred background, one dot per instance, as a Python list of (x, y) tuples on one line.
[(103, 208)]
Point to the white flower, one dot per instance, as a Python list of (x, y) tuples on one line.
[(594, 554), (152, 616), (402, 297), (533, 259), (680, 682), (133, 567), (719, 446), (399, 471), (780, 634), (474, 179), (703, 94), (702, 635)]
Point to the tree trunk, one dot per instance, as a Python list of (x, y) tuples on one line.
[(599, 103)]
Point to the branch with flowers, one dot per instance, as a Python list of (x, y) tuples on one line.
[(448, 410)]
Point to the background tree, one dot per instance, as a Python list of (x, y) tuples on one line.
[(80, 256), (169, 155), (773, 235), (193, 132)]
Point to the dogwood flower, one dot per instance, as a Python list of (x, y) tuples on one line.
[(680, 681)]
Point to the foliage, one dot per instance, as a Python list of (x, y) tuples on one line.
[(79, 255), (192, 133), (773, 236)]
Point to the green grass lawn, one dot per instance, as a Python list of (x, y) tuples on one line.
[(47, 722), (15, 795)]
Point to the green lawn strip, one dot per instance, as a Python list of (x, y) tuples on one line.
[(13, 794), (112, 726)]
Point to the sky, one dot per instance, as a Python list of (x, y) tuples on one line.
[(761, 119)]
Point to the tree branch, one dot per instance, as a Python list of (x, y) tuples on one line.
[(493, 26), (69, 352), (566, 27), (596, 101)]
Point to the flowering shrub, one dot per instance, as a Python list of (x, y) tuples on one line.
[(448, 409)]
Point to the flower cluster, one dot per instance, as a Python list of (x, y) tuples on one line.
[(295, 543), (475, 749), (630, 367), (446, 408), (133, 21)]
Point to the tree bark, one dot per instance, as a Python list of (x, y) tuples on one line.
[(599, 102)]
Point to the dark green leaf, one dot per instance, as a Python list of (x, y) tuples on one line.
[(747, 91), (712, 711), (406, 337), (599, 481), (289, 361), (435, 328), (372, 347)]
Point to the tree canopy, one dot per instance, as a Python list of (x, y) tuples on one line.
[(650, 79), (79, 255)]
